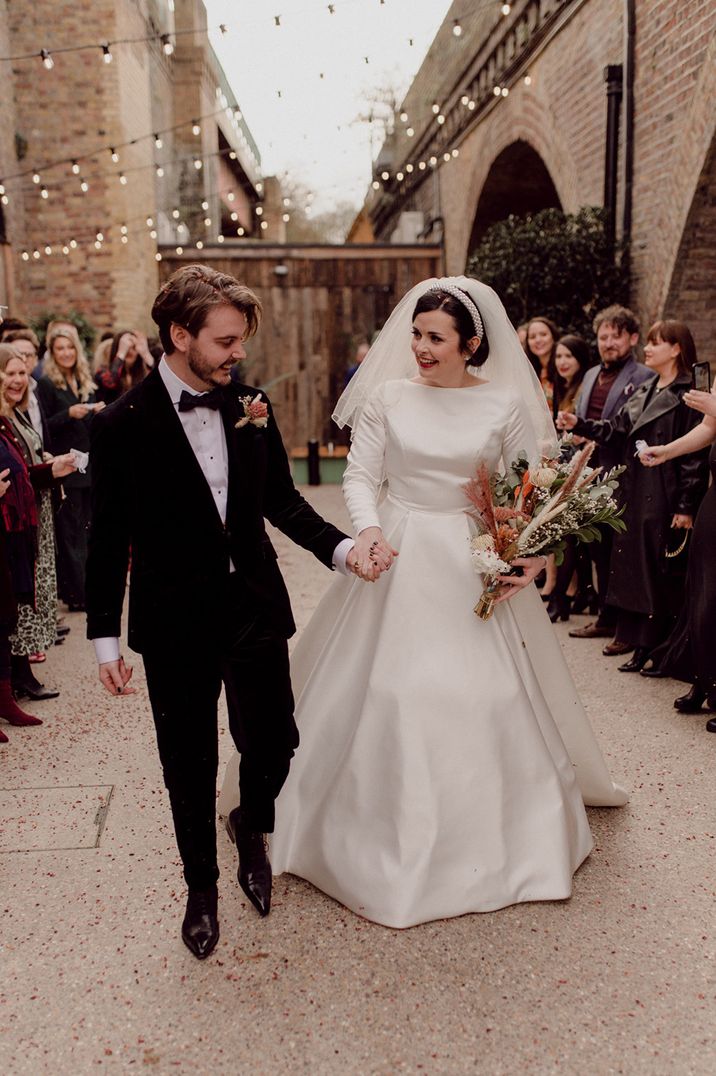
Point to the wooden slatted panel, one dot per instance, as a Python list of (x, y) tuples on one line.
[(315, 316)]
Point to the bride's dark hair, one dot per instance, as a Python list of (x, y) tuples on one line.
[(442, 300)]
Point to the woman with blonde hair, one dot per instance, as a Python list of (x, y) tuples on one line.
[(30, 537), (67, 395)]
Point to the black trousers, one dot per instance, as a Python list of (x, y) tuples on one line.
[(184, 686), (71, 529)]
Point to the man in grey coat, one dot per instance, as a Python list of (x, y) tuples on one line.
[(605, 390)]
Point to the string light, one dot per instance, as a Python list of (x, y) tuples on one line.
[(506, 9), (75, 168), (73, 244), (84, 186), (410, 132), (150, 222), (199, 245), (400, 177), (205, 205), (166, 44), (286, 218), (158, 142), (180, 250), (36, 177), (25, 256), (125, 239), (433, 161), (264, 225), (153, 233), (157, 257), (403, 117), (409, 168), (464, 100), (44, 193), (160, 171), (456, 153), (528, 80), (456, 28), (436, 109), (176, 214), (48, 249), (385, 176), (234, 216), (504, 91), (99, 237), (240, 231), (471, 105), (207, 222), (259, 210), (113, 153), (124, 229), (441, 119), (198, 163), (376, 185), (195, 128), (65, 249), (47, 60), (219, 239), (446, 157), (231, 196), (36, 255), (106, 53), (123, 179)]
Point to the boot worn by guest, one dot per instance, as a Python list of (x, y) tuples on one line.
[(254, 872), (25, 683), (692, 702), (637, 661), (200, 929), (595, 630), (10, 711)]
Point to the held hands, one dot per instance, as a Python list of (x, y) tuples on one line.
[(4, 483), (513, 584), (371, 555), (115, 677)]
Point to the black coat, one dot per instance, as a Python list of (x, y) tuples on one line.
[(149, 494), (65, 432), (641, 578)]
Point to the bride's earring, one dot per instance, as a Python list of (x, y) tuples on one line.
[(474, 371)]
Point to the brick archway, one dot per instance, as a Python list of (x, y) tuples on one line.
[(518, 183)]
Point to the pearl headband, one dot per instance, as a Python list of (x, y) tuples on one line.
[(466, 301)]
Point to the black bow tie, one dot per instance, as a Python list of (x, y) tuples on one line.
[(189, 400)]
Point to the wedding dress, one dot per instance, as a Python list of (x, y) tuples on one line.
[(444, 760)]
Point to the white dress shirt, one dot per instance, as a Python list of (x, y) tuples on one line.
[(205, 433)]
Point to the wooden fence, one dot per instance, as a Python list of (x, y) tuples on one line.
[(319, 302)]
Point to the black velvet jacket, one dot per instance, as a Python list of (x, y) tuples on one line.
[(150, 495)]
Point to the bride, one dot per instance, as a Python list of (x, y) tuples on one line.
[(445, 761)]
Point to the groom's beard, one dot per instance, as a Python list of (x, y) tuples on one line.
[(202, 368)]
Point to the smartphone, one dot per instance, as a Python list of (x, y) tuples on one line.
[(701, 376)]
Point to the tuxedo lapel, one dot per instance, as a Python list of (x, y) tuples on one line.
[(623, 387)]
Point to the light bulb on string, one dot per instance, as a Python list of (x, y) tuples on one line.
[(123, 179), (286, 218), (99, 237), (230, 197), (506, 9), (199, 245), (166, 44), (124, 229), (75, 168), (48, 249), (153, 233), (433, 161), (219, 239), (376, 185), (157, 257), (436, 108), (264, 225), (198, 163), (385, 176), (456, 28), (73, 244), (471, 105), (409, 168), (240, 231), (176, 214), (97, 244), (180, 250), (84, 186), (504, 91), (159, 171), (446, 157), (234, 216), (44, 193), (114, 155), (5, 200), (36, 177), (158, 142), (207, 222), (496, 91), (150, 222), (527, 80), (25, 256), (47, 60), (410, 132), (125, 239), (422, 166), (106, 53), (196, 128), (456, 153), (36, 255), (403, 117), (400, 177), (287, 202), (204, 206), (441, 119), (65, 249)]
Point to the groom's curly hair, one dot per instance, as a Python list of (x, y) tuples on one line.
[(190, 294)]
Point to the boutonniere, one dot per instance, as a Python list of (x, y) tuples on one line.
[(255, 412), (628, 389)]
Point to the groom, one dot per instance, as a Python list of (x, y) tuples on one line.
[(185, 467)]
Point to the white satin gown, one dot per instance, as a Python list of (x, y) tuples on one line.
[(444, 761)]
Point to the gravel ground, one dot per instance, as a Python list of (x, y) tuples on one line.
[(93, 974)]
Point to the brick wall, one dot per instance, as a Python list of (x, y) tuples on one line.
[(562, 115)]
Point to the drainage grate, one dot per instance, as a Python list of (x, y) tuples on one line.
[(58, 819)]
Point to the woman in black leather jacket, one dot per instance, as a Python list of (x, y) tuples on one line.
[(648, 564)]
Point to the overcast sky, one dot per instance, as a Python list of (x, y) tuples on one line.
[(311, 130)]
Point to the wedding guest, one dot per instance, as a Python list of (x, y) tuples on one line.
[(33, 559), (67, 394), (15, 491), (648, 564), (542, 336), (360, 353), (27, 346), (540, 348), (688, 653), (129, 363), (572, 588), (100, 356), (605, 390), (522, 335), (8, 325)]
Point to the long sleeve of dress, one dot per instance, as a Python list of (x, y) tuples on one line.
[(519, 436), (364, 473)]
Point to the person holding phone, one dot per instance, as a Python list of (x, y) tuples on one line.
[(688, 653), (649, 561)]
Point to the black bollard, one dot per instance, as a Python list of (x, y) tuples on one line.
[(314, 466)]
